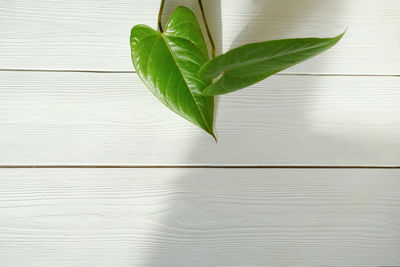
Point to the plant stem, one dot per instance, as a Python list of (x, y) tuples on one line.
[(160, 16), (208, 29)]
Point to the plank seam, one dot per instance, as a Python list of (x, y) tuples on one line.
[(194, 167), (278, 74)]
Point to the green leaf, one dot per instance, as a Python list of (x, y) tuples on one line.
[(251, 63), (169, 62)]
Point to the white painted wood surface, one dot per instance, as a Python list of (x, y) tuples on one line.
[(94, 34), (100, 119), (199, 217)]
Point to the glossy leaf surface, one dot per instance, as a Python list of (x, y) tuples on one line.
[(251, 63), (169, 62)]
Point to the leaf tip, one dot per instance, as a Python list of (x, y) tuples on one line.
[(340, 35), (213, 135)]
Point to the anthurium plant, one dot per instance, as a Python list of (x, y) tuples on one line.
[(175, 66)]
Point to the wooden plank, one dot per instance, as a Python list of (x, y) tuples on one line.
[(94, 35), (92, 118), (198, 217)]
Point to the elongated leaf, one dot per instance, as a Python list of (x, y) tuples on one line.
[(168, 63), (251, 63)]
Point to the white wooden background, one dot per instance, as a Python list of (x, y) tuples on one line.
[(92, 166)]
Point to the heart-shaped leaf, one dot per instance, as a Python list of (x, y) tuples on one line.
[(251, 63), (169, 62)]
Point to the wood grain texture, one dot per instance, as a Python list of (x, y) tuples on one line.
[(198, 217), (176, 217), (102, 119), (94, 35)]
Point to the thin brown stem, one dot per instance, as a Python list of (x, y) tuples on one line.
[(160, 16), (208, 29)]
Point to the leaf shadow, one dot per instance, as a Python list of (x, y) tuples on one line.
[(208, 242), (268, 20)]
